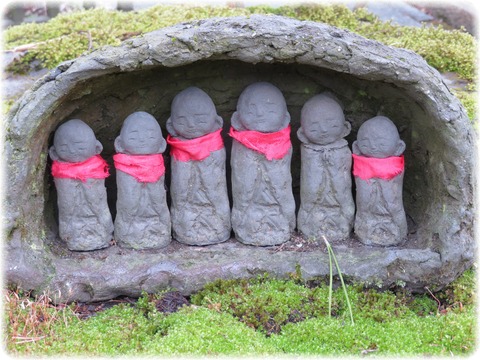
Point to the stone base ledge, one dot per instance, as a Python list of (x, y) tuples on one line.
[(96, 276)]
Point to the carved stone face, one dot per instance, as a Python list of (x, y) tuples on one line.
[(323, 121), (261, 107), (193, 114), (378, 138), (74, 141), (140, 135)]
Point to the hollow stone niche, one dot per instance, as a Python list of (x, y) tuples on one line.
[(222, 57)]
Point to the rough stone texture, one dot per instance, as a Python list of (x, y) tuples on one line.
[(263, 209), (380, 217), (79, 172), (199, 208), (143, 218), (223, 56), (327, 207), (263, 206)]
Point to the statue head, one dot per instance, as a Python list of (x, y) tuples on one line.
[(378, 138), (140, 135), (322, 121), (193, 115), (261, 107), (74, 141)]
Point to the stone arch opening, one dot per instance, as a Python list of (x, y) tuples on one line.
[(108, 100), (223, 56)]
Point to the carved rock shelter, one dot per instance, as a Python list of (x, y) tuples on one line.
[(222, 57)]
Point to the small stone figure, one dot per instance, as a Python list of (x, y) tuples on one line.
[(200, 208), (79, 172), (143, 219), (327, 207), (263, 210), (378, 167)]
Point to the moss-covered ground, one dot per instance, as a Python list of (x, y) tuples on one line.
[(70, 35), (254, 317), (67, 36)]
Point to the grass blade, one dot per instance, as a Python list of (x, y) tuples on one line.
[(331, 255), (330, 287)]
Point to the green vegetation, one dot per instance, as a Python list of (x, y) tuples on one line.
[(254, 317), (70, 35), (331, 256), (469, 102), (6, 105)]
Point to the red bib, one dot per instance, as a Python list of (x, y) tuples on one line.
[(195, 149), (273, 145), (367, 168), (92, 168), (144, 168)]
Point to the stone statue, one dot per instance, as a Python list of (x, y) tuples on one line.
[(378, 167), (79, 172), (143, 219), (327, 206), (200, 207), (263, 210)]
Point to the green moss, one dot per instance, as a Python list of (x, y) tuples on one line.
[(461, 292), (126, 330), (269, 304), (120, 330), (70, 35), (7, 105), (445, 50), (433, 335), (222, 323), (265, 304), (202, 331), (469, 102)]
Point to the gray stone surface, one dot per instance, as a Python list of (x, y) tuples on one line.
[(398, 12), (224, 56), (143, 218), (326, 207), (380, 217), (263, 210), (200, 208), (85, 222)]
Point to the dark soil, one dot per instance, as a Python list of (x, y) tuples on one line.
[(170, 302), (86, 310)]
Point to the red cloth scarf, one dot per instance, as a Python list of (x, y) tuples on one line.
[(367, 168), (273, 145), (144, 168), (92, 168), (195, 149)]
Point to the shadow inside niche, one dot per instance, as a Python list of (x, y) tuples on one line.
[(109, 99)]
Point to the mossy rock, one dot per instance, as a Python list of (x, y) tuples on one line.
[(222, 56), (70, 35)]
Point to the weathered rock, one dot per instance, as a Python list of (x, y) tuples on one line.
[(223, 56), (143, 218), (327, 207), (378, 168), (200, 208), (263, 207), (79, 172)]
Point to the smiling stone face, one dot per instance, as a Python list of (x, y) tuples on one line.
[(323, 121), (140, 135), (193, 114), (261, 107), (74, 141), (378, 138)]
